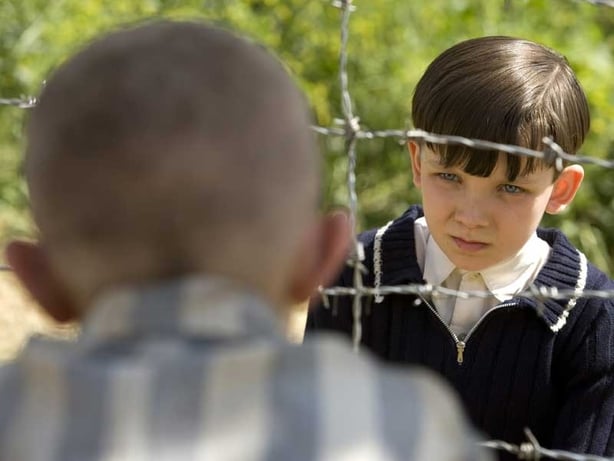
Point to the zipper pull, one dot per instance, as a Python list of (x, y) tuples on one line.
[(460, 350)]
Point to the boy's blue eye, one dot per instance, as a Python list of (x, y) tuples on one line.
[(511, 189), (448, 176)]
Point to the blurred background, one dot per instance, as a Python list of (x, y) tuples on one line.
[(391, 43)]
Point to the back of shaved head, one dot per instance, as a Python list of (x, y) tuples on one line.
[(166, 149)]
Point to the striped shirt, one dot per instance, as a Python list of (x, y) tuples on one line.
[(196, 369)]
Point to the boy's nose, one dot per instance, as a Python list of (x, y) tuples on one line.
[(471, 212)]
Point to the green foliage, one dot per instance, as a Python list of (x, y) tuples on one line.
[(391, 43)]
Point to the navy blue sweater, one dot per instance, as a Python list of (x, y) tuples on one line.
[(548, 367)]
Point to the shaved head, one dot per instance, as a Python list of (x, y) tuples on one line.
[(171, 148)]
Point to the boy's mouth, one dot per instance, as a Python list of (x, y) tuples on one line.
[(468, 245)]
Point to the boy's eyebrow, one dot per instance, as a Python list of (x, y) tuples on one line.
[(522, 180), (527, 176), (434, 160)]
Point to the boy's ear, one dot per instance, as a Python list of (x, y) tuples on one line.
[(30, 264), (322, 256), (416, 165), (565, 188)]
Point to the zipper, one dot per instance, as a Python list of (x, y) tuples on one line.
[(460, 352), (462, 344)]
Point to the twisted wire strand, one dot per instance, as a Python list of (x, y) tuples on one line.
[(23, 103), (350, 129), (532, 450), (540, 293), (551, 153)]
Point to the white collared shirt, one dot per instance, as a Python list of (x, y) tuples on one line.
[(503, 280)]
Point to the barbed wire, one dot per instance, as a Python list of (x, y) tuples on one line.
[(538, 293), (25, 102), (552, 153), (424, 291), (352, 131), (531, 450)]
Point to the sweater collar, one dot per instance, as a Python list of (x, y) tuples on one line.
[(395, 263)]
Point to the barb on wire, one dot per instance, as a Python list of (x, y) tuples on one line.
[(5, 268), (23, 103), (531, 450)]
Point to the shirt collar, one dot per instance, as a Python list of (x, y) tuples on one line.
[(510, 277), (437, 266), (503, 280), (193, 306)]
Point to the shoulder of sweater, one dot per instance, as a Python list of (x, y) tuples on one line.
[(590, 325), (391, 248), (392, 244), (398, 228), (562, 248), (598, 281), (567, 262), (401, 223)]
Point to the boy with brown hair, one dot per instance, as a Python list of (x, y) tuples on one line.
[(174, 177), (516, 362)]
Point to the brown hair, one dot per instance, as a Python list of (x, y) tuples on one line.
[(505, 90)]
